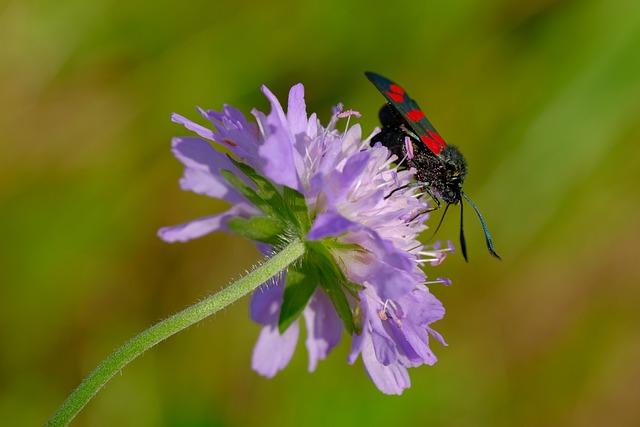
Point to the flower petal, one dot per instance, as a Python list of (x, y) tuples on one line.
[(354, 167), (324, 328), (329, 224), (357, 342), (202, 169), (279, 160), (277, 155), (412, 341), (234, 132), (384, 348), (424, 308), (389, 269), (273, 351), (192, 126), (264, 307), (437, 336), (338, 185), (391, 379), (201, 226), (297, 110)]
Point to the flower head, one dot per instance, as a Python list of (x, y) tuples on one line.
[(288, 176)]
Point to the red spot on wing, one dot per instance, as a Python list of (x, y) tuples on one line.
[(396, 89), (395, 92), (398, 97), (433, 141), (415, 115)]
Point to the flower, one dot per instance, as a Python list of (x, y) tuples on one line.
[(356, 210)]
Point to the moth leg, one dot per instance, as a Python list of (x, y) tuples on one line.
[(430, 208), (435, 199)]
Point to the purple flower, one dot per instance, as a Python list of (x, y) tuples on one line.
[(361, 234)]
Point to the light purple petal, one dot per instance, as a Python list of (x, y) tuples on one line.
[(437, 336), (358, 340), (324, 328), (329, 224), (200, 227), (202, 169), (354, 167), (297, 110), (412, 341), (280, 160), (234, 132), (312, 126), (422, 307), (337, 185), (277, 156), (277, 115), (391, 379), (384, 348), (264, 307), (389, 269), (273, 351), (192, 126)]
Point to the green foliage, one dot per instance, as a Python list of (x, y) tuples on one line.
[(332, 280), (265, 190), (300, 284), (297, 206), (260, 228), (249, 193)]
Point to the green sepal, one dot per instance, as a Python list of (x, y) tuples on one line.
[(334, 243), (264, 188), (333, 282), (299, 287), (248, 192), (296, 203), (340, 302), (261, 228)]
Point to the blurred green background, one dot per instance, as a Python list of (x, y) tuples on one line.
[(543, 97)]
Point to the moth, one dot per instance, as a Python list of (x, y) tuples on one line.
[(440, 167)]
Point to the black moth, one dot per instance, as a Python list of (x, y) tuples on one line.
[(440, 168)]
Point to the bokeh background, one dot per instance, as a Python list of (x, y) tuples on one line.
[(543, 96)]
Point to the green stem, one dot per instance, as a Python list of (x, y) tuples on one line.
[(166, 328)]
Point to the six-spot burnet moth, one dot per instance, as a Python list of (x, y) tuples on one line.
[(440, 167)]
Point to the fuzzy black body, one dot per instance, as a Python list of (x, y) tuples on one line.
[(442, 176)]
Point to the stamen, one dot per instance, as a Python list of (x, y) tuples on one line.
[(386, 164), (408, 146), (443, 280), (383, 312), (402, 161), (436, 255)]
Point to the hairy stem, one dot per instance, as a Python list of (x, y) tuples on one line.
[(168, 327)]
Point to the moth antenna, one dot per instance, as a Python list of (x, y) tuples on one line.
[(441, 221), (487, 235), (463, 242)]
